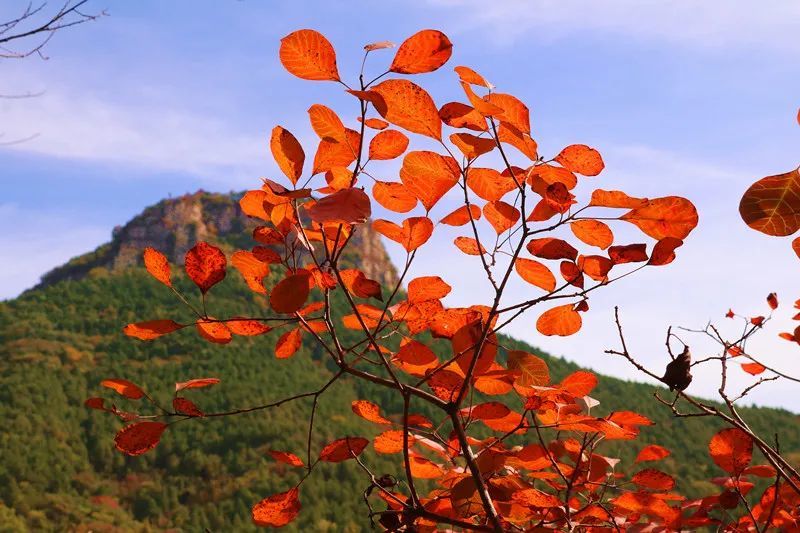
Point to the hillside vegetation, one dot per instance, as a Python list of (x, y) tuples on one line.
[(60, 472)]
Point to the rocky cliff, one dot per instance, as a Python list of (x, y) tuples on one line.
[(174, 225)]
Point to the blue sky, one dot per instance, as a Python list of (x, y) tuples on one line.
[(690, 98)]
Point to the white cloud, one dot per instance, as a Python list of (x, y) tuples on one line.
[(73, 123), (771, 24), (33, 242)]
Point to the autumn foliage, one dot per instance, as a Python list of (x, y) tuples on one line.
[(510, 449)]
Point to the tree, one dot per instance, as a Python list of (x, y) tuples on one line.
[(508, 449)]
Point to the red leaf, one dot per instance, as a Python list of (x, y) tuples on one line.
[(732, 450), (205, 265), (653, 479), (369, 411), (186, 407), (551, 248), (124, 388), (343, 449), (138, 438), (309, 55), (652, 452), (290, 294), (347, 206), (286, 458), (277, 510)]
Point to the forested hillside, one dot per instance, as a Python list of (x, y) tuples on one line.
[(59, 469)]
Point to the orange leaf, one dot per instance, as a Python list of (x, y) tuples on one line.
[(138, 438), (394, 196), (255, 204), (501, 215), (514, 112), (579, 383), (465, 342), (424, 468), (408, 106), (415, 231), (596, 267), (425, 51), (428, 176), (415, 353), (461, 216), (601, 198), (186, 407), (390, 441), (489, 184), (593, 233), (286, 458), (521, 141), (157, 265), (288, 344), (652, 452), (469, 246), (212, 331), (309, 55), (630, 253), (331, 153), (481, 105), (196, 383), (732, 450), (581, 159), (287, 152), (653, 479), (347, 206), (151, 329), (326, 123), (359, 285), (290, 294), (124, 387), (671, 216), (252, 270), (458, 115), (535, 498), (535, 273), (368, 411), (277, 510), (387, 145), (375, 123), (205, 265), (529, 370), (664, 251), (552, 248), (246, 327), (753, 368), (472, 146), (772, 204), (427, 288), (343, 449), (468, 75)]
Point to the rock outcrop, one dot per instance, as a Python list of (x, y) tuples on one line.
[(174, 225)]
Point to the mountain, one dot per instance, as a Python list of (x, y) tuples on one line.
[(58, 467)]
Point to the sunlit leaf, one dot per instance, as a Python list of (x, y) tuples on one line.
[(309, 55)]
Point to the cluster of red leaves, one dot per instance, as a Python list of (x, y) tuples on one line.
[(559, 480)]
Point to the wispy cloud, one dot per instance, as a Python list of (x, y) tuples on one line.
[(73, 124), (771, 24)]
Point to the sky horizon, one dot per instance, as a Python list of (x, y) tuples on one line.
[(692, 99)]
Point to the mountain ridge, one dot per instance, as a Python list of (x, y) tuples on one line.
[(174, 225)]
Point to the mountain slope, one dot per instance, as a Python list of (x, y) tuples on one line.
[(59, 470)]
